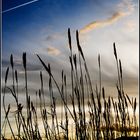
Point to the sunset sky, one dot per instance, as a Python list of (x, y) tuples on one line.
[(40, 27)]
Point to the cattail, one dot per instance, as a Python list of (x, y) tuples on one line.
[(62, 73), (104, 115), (16, 77), (65, 81), (20, 107), (75, 61), (103, 92), (39, 94), (105, 104), (120, 67), (24, 60), (77, 38), (49, 68), (115, 52), (29, 102), (99, 105), (78, 45), (30, 115), (41, 78), (6, 75), (11, 61), (120, 108), (71, 62), (135, 103), (45, 112), (119, 92), (32, 106), (69, 38), (99, 60), (49, 81)]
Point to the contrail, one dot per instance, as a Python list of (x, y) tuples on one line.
[(19, 6)]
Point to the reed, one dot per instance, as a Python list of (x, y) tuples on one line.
[(94, 122)]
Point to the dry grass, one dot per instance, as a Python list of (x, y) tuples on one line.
[(99, 124)]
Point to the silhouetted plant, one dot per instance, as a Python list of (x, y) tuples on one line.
[(96, 123)]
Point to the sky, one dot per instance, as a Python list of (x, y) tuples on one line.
[(40, 27)]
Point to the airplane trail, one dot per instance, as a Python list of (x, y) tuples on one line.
[(13, 8)]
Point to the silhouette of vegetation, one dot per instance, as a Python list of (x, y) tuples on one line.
[(105, 119)]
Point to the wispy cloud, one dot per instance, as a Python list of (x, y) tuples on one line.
[(126, 7), (53, 51), (53, 37), (96, 24), (130, 25)]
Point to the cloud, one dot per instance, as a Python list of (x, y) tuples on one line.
[(130, 26), (126, 6), (55, 36), (123, 9), (52, 37), (53, 51), (96, 24)]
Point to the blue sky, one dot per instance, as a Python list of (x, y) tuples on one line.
[(41, 27)]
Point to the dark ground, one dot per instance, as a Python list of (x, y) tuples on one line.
[(128, 138)]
